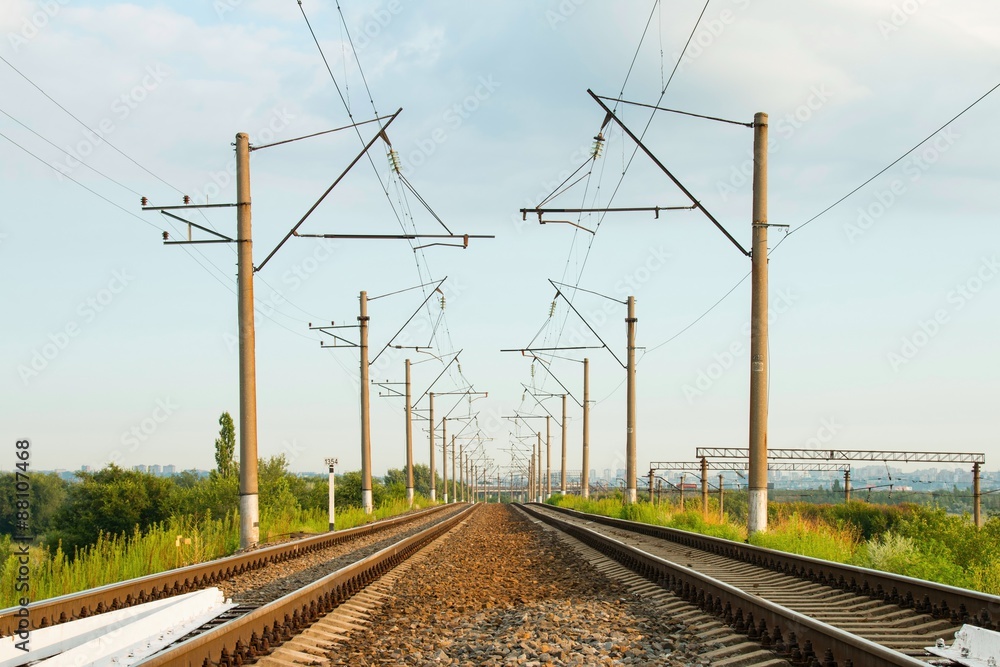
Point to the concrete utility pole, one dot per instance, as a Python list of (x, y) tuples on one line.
[(704, 487), (409, 440), (681, 487), (332, 464), (430, 397), (249, 511), (538, 486), (722, 515), (847, 485), (976, 497), (531, 477), (585, 473), (757, 481), (366, 443), (548, 457), (454, 486), (651, 475), (461, 472), (630, 465), (562, 471), (444, 458)]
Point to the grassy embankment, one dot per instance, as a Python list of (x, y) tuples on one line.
[(917, 541), (179, 541)]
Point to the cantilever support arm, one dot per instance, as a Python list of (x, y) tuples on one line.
[(380, 135), (611, 116)]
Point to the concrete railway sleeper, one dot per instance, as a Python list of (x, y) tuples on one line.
[(124, 594), (796, 637), (256, 634)]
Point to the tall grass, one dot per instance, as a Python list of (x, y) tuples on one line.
[(916, 541), (660, 515), (177, 542), (809, 537), (174, 543)]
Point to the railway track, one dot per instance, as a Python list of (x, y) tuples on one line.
[(252, 563), (257, 633), (806, 610)]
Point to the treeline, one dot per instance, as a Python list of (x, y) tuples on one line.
[(114, 501)]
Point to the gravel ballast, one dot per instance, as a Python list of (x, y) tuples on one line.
[(502, 591)]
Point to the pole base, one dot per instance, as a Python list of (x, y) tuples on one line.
[(409, 496), (366, 501), (249, 521), (757, 516)]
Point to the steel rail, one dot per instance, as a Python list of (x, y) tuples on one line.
[(253, 635), (958, 605), (123, 594), (790, 634)]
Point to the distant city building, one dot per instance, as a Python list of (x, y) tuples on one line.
[(593, 474), (140, 468), (156, 469), (170, 469), (86, 469), (607, 474)]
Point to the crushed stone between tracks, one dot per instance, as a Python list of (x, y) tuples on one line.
[(258, 587), (504, 592)]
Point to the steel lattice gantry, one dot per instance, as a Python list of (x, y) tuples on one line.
[(704, 465), (844, 455), (975, 458)]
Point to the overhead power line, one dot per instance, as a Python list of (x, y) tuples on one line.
[(889, 166), (87, 127)]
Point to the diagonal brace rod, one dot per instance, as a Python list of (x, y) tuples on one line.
[(195, 224), (380, 135), (587, 324), (656, 161)]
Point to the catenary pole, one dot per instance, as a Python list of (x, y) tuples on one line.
[(409, 440), (430, 397), (249, 512), (444, 458), (630, 456), (757, 514), (548, 457), (366, 443), (562, 471), (585, 473)]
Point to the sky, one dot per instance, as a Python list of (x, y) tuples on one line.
[(884, 312)]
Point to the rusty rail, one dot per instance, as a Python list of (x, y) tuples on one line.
[(790, 634), (253, 635), (123, 594), (959, 605)]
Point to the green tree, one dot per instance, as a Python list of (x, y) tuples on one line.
[(310, 492), (48, 491), (225, 447), (395, 483), (349, 490), (113, 501), (275, 485)]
